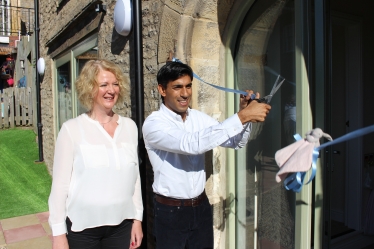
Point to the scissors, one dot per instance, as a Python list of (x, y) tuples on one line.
[(275, 88)]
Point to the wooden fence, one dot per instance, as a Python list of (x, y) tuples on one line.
[(16, 107)]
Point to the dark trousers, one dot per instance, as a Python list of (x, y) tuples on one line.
[(183, 227), (104, 237)]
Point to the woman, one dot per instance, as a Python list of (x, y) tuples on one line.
[(95, 200)]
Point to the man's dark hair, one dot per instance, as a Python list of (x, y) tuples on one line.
[(172, 71)]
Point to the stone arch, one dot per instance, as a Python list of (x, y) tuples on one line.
[(193, 32)]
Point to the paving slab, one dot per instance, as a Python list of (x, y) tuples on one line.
[(20, 221), (24, 233), (36, 243)]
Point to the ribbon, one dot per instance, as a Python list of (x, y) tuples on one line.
[(253, 96), (295, 181), (348, 136)]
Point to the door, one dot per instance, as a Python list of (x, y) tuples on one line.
[(346, 116)]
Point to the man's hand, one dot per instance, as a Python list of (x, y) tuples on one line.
[(245, 100), (254, 112), (60, 242), (136, 234)]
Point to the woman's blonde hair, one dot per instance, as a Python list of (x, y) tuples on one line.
[(87, 85)]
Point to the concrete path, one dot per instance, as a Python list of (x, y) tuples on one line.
[(26, 232)]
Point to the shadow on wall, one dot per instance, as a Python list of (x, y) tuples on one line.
[(119, 42)]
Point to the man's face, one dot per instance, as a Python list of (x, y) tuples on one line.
[(177, 95)]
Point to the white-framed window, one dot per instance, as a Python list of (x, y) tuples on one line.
[(67, 69)]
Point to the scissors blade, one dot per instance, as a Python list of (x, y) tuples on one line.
[(275, 89)]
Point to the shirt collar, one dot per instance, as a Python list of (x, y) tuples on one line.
[(172, 114)]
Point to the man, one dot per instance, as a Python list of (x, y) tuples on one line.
[(176, 138)]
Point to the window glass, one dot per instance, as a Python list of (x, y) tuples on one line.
[(68, 67), (64, 93), (265, 49), (80, 62)]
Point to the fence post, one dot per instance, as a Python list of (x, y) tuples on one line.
[(6, 106), (16, 106), (2, 109), (30, 106), (11, 107), (23, 106)]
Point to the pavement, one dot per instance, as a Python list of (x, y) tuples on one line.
[(26, 232)]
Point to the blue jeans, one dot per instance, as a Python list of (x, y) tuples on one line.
[(183, 227), (104, 237)]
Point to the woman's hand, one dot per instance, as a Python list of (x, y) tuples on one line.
[(136, 234), (60, 242)]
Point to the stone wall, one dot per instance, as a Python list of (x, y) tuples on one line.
[(189, 30), (111, 46)]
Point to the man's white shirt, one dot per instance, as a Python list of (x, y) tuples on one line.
[(176, 148)]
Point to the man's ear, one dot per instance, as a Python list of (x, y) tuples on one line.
[(161, 90)]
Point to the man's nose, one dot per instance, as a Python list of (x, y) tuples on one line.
[(184, 92)]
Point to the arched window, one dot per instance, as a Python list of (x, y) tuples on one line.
[(265, 49)]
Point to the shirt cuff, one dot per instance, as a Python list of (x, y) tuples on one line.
[(139, 215), (233, 125), (58, 229)]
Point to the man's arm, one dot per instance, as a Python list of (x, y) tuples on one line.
[(160, 134), (241, 139)]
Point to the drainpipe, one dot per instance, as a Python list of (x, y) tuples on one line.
[(2, 17), (139, 91), (8, 18), (37, 89)]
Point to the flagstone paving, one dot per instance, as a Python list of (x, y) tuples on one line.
[(26, 232)]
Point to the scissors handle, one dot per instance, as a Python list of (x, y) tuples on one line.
[(263, 99)]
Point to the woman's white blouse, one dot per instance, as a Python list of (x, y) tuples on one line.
[(96, 179)]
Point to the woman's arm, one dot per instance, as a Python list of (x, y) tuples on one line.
[(62, 170)]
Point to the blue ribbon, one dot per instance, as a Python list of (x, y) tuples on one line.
[(295, 181), (253, 96)]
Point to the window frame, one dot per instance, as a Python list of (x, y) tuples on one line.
[(70, 56), (304, 122)]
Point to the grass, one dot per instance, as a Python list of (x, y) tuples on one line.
[(24, 184)]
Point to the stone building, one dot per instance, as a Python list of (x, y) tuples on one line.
[(241, 44)]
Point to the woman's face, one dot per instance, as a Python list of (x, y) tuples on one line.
[(108, 90)]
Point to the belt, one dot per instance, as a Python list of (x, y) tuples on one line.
[(180, 202)]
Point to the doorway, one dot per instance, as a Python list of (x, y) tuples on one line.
[(345, 164), (346, 116)]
